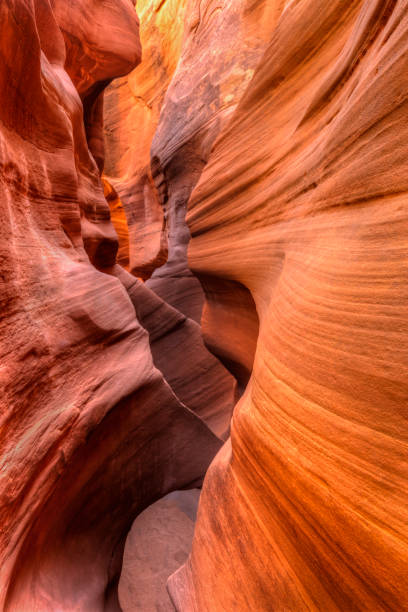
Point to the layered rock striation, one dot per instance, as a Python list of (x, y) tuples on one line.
[(132, 109), (303, 201), (281, 127), (91, 432)]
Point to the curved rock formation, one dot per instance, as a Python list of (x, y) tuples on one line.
[(230, 325), (119, 221), (91, 433), (283, 125), (132, 108), (222, 45), (303, 202), (194, 374)]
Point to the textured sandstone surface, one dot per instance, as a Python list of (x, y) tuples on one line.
[(119, 221), (282, 126), (132, 108), (198, 58), (91, 433), (303, 202), (222, 45), (198, 379)]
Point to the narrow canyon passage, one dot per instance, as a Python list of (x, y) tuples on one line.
[(203, 305)]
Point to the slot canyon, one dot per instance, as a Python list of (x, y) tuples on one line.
[(204, 305)]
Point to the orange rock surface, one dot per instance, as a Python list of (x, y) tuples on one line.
[(218, 48), (119, 221), (132, 108), (281, 125), (303, 202), (222, 45)]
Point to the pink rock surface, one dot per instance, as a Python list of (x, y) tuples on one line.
[(90, 431), (159, 541)]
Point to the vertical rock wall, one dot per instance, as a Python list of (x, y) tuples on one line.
[(281, 126), (303, 201), (91, 433), (132, 108), (222, 45)]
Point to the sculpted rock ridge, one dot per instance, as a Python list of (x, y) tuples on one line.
[(303, 201), (203, 283), (91, 431)]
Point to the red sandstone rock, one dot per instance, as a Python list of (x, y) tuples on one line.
[(221, 48), (90, 431), (132, 108), (303, 202), (300, 211), (230, 326), (197, 378), (119, 221)]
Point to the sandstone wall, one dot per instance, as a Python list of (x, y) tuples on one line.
[(281, 127), (303, 201), (91, 433), (132, 108)]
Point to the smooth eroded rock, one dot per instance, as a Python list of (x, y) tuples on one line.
[(303, 202)]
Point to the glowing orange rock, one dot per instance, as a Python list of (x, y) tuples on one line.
[(303, 202), (221, 47), (132, 108), (119, 221)]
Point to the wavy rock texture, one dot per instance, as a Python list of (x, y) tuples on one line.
[(119, 221), (222, 46), (288, 120), (132, 108), (230, 326), (218, 45), (303, 202), (91, 433), (195, 375)]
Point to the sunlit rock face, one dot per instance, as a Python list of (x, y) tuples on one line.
[(119, 221), (303, 202), (281, 126), (132, 108), (91, 432), (222, 45)]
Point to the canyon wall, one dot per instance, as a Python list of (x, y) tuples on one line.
[(303, 202), (91, 432), (279, 127), (222, 45), (132, 108)]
